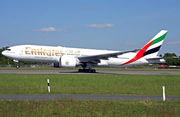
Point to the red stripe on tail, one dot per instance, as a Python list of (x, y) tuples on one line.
[(139, 54)]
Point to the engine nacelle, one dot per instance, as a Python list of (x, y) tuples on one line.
[(66, 62)]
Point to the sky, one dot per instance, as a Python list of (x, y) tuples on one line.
[(95, 24)]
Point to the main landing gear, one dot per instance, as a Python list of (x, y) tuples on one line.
[(89, 65)]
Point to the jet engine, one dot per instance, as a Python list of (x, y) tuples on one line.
[(66, 62)]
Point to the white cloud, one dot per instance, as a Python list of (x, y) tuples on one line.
[(178, 42), (100, 25), (51, 29), (130, 43)]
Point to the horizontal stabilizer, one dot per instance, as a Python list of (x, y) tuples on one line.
[(155, 58)]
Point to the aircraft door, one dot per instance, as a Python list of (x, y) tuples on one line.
[(21, 51)]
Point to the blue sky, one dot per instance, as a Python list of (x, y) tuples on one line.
[(96, 24)]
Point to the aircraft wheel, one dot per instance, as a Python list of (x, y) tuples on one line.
[(83, 70), (80, 70), (93, 71), (86, 70), (90, 70), (17, 66)]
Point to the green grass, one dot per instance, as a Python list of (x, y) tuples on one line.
[(90, 84), (89, 108)]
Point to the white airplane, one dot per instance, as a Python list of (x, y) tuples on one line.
[(64, 57)]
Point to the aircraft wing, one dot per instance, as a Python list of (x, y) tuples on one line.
[(95, 58)]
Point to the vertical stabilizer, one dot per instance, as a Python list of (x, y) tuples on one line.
[(154, 44), (151, 49)]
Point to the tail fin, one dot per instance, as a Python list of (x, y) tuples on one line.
[(152, 47)]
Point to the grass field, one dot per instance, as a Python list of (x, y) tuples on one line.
[(90, 84), (89, 108)]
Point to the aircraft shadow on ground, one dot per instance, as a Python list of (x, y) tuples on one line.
[(76, 72)]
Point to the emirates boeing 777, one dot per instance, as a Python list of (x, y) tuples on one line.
[(64, 57)]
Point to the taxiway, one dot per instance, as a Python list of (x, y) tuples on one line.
[(98, 72)]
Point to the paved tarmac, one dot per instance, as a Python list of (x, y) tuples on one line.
[(87, 97), (98, 72)]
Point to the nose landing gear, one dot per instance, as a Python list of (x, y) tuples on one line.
[(17, 64)]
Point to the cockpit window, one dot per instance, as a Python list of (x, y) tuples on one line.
[(8, 49)]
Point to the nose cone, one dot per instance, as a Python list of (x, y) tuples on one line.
[(5, 53)]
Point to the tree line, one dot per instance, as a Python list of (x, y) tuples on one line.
[(7, 61), (172, 61)]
